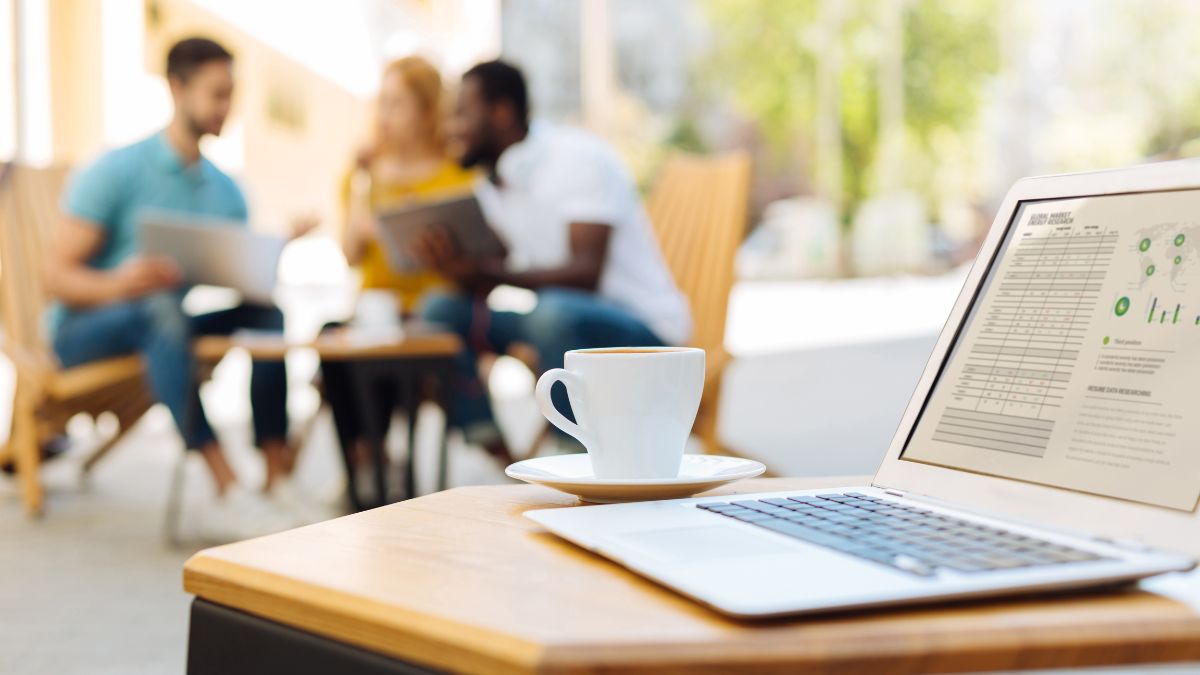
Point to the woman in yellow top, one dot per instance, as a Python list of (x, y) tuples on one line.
[(405, 161)]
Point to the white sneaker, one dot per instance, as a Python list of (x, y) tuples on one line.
[(242, 514), (364, 478), (301, 505)]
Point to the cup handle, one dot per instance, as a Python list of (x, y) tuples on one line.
[(542, 394)]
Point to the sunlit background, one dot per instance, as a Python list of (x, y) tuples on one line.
[(930, 107), (884, 135)]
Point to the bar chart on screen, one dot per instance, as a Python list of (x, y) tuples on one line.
[(1165, 258), (1162, 312)]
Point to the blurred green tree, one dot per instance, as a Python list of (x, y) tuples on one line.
[(768, 57), (1150, 66)]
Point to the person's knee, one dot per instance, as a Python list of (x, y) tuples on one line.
[(555, 316), (451, 310), (263, 317), (161, 316)]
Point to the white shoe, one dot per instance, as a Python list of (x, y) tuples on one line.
[(364, 479), (301, 505), (242, 514)]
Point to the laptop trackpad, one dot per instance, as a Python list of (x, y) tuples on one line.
[(700, 543)]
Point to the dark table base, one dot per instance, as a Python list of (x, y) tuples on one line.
[(224, 641), (410, 373)]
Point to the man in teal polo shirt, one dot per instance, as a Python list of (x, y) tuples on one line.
[(113, 301)]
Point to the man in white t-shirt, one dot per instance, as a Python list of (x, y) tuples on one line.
[(576, 234)]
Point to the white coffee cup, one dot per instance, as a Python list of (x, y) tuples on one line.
[(635, 406), (376, 309)]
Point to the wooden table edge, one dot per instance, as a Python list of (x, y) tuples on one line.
[(976, 651), (423, 639), (440, 643), (415, 346), (457, 647)]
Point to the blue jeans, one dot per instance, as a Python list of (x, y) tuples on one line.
[(157, 328), (564, 319)]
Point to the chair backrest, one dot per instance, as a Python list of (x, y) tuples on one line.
[(28, 218), (698, 208)]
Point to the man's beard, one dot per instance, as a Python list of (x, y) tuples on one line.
[(474, 157), (196, 129), (480, 154)]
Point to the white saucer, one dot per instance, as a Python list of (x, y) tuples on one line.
[(573, 474)]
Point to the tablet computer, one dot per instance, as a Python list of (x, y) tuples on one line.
[(215, 252), (460, 216)]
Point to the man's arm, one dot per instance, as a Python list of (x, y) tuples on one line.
[(588, 242), (75, 284), (589, 250)]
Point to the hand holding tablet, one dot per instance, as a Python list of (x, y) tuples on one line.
[(429, 234)]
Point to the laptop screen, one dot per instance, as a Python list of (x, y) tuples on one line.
[(1078, 363)]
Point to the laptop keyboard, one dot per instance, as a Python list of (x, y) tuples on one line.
[(901, 536)]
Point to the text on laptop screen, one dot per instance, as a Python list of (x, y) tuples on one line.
[(1078, 365)]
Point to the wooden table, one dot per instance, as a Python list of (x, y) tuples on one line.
[(459, 581), (422, 350), (336, 345)]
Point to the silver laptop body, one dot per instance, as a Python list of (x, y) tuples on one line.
[(216, 252), (1049, 444)]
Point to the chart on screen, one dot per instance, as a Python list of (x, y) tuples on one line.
[(1076, 363)]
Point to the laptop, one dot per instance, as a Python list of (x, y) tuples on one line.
[(1051, 442), (216, 252)]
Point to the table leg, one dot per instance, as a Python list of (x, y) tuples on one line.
[(445, 380), (412, 402), (347, 447), (372, 428), (179, 472)]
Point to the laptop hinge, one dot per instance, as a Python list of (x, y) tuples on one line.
[(1127, 544), (1131, 545)]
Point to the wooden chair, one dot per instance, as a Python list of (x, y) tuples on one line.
[(698, 208), (47, 395)]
